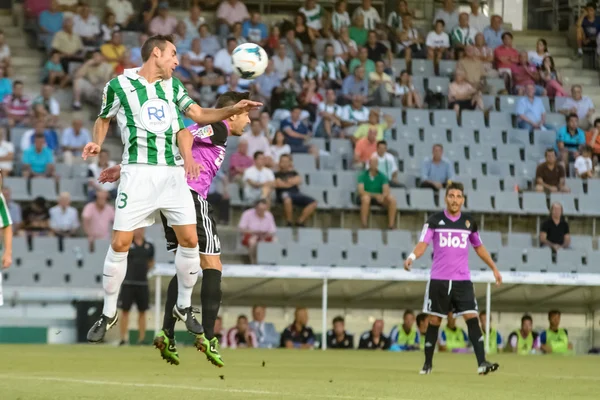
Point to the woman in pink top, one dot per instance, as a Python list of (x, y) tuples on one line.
[(552, 79), (524, 74), (257, 225)]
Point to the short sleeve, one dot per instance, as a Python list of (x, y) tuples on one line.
[(384, 179), (85, 213), (4, 213), (110, 100), (426, 233), (181, 97), (361, 178), (545, 226)]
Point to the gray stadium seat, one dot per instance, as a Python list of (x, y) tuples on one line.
[(298, 255), (593, 187), (63, 170), (398, 65), (559, 102), (338, 198), (508, 183), (421, 199), (268, 253), (310, 236), (472, 119), (576, 185), (445, 118), (508, 152), (588, 206), (591, 266), (319, 143), (498, 168), (526, 169), (567, 200), (419, 84), (479, 201), (401, 198), (341, 147), (82, 170), (18, 187), (433, 135), (339, 237), (555, 120), (304, 162), (476, 263), (538, 259), (535, 153), (535, 203), (480, 153), (582, 242), (388, 257), (346, 179), (422, 68), (369, 238), (507, 203), (356, 256), (470, 168), (518, 239), (497, 84), (546, 103), (424, 262), (399, 239), (418, 118), (491, 240), (501, 120), (463, 135), (326, 256), (489, 102), (406, 133), (545, 138), (447, 68), (518, 136), (285, 235), (438, 85), (235, 194), (45, 245), (508, 103), (567, 261), (316, 192), (490, 137), (44, 187), (488, 184), (75, 187), (510, 258)]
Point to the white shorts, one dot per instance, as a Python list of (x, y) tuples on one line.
[(146, 189)]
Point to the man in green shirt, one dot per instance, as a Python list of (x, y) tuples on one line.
[(524, 341), (452, 337), (374, 189), (555, 339), (362, 61), (495, 339)]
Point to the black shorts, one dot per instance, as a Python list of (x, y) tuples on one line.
[(208, 238), (138, 294), (298, 199), (374, 202), (442, 297)]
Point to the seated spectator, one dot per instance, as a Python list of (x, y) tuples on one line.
[(282, 63), (220, 333), (287, 182), (163, 23), (298, 335), (328, 123), (580, 105), (257, 225), (196, 55), (74, 140), (45, 107), (472, 67), (87, 26), (297, 133), (462, 95), (310, 98), (588, 26), (53, 73), (38, 160), (313, 14), (340, 17), (568, 140), (273, 40), (97, 217), (258, 142), (452, 337), (50, 21), (228, 14), (254, 30), (94, 169), (5, 60), (125, 63), (357, 32), (279, 147), (241, 336), (437, 43), (258, 180), (183, 38), (406, 93), (381, 85), (394, 20), (7, 153), (210, 79), (374, 122), (483, 53), (409, 41), (111, 24), (16, 106), (554, 232), (374, 190), (223, 57), (36, 218), (14, 209), (355, 85), (493, 33), (584, 167), (312, 70), (371, 17), (536, 57), (505, 57), (186, 74), (422, 324), (5, 85), (477, 19), (266, 335), (552, 79), (345, 47), (333, 68), (293, 47), (550, 175), (462, 35), (592, 138), (239, 162), (376, 51), (362, 61), (387, 164), (148, 11), (365, 147), (264, 84), (194, 20), (436, 171), (524, 74), (530, 110), (68, 44), (374, 339), (218, 197), (448, 14), (353, 115), (210, 43), (338, 338), (50, 135), (64, 221), (555, 340), (495, 339), (404, 337), (114, 50), (524, 341), (269, 128)]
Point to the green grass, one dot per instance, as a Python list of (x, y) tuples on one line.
[(32, 372)]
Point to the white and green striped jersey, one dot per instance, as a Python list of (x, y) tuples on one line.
[(5, 219), (148, 116), (464, 36), (338, 21), (313, 17)]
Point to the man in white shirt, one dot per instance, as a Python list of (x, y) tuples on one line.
[(583, 163), (437, 42), (478, 19), (370, 15), (194, 21), (580, 105), (463, 34), (223, 57), (328, 123), (354, 114), (448, 14), (313, 13), (258, 180), (387, 164), (282, 63), (123, 11), (87, 26), (258, 142), (64, 220)]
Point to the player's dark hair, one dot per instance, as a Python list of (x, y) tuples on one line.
[(230, 98), (159, 41), (408, 312), (526, 317), (455, 186), (421, 317), (257, 154), (440, 21), (337, 319), (381, 142), (552, 313)]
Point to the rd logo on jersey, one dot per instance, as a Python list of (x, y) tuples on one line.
[(155, 116)]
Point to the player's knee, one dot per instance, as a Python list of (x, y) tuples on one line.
[(188, 241), (120, 243)]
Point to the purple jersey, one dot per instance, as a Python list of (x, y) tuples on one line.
[(451, 237), (208, 149)]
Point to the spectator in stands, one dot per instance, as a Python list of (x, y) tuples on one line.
[(376, 51), (345, 47), (228, 13), (552, 79), (436, 171), (255, 30), (387, 164), (14, 209), (448, 14), (87, 26), (506, 56), (210, 43), (53, 73), (374, 339), (282, 63), (220, 333), (580, 105), (183, 38), (94, 169), (381, 85), (462, 35), (239, 162), (7, 153), (268, 81), (266, 335), (109, 26), (437, 43), (64, 221), (524, 74), (363, 60), (38, 160), (462, 95), (211, 79), (50, 22), (74, 139), (584, 166), (355, 85), (530, 110), (298, 335), (258, 142), (374, 189), (218, 196), (524, 341), (272, 42), (404, 337), (163, 23), (258, 180), (196, 55), (241, 336), (394, 20), (97, 217), (27, 140), (353, 115), (406, 93), (293, 47), (257, 225), (46, 108), (5, 60), (536, 57), (550, 175), (36, 218), (149, 10), (313, 14), (495, 339), (338, 338), (555, 340), (477, 19), (370, 15), (374, 122), (114, 51), (287, 182), (365, 147), (592, 138), (554, 232), (493, 33), (69, 44), (312, 70), (409, 41), (194, 20), (328, 123), (223, 57), (268, 127), (16, 106), (358, 31), (5, 85), (568, 140), (452, 337), (90, 80), (236, 33), (185, 73), (123, 12), (340, 17), (279, 147), (588, 26), (298, 133)]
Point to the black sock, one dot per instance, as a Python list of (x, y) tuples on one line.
[(211, 300), (476, 339), (431, 337), (169, 320)]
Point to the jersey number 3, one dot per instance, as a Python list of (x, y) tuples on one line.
[(122, 200)]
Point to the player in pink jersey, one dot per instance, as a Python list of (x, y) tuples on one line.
[(450, 288)]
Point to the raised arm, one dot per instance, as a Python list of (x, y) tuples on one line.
[(205, 116)]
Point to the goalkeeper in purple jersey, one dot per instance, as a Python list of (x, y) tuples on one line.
[(208, 150), (450, 288)]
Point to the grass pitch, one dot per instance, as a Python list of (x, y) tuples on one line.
[(82, 372)]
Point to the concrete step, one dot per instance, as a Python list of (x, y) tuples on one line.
[(580, 72), (18, 42), (530, 41), (585, 81), (33, 60), (568, 62)]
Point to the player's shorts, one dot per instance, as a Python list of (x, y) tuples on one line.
[(138, 294), (208, 238), (145, 189), (442, 297)]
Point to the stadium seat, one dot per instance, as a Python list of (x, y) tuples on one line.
[(480, 153), (338, 198), (576, 185), (433, 135), (463, 136), (559, 101), (538, 259), (401, 198), (488, 184), (45, 245), (497, 84), (406, 133), (399, 239), (75, 187), (476, 263), (339, 237), (398, 65), (341, 147), (319, 143), (419, 84), (545, 138), (498, 168), (518, 239), (82, 171), (298, 255), (388, 257), (346, 179), (63, 170), (567, 200), (470, 168), (369, 238), (445, 119), (235, 194), (310, 236), (508, 183), (285, 235), (501, 120), (472, 119), (268, 253), (507, 203), (316, 192), (479, 201), (593, 188), (509, 152), (304, 162), (582, 242), (424, 262), (591, 265), (510, 258), (489, 102), (421, 199), (508, 103), (567, 261), (546, 103), (526, 169), (422, 68), (18, 187), (356, 256), (417, 118), (447, 68), (535, 203), (555, 120), (588, 206), (44, 187), (438, 85), (326, 256), (490, 137), (491, 240), (518, 136)]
